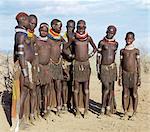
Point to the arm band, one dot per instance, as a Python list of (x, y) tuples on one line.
[(121, 57), (25, 73), (137, 56), (21, 46), (36, 54), (38, 69)]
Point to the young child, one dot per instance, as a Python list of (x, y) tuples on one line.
[(55, 60), (43, 54), (129, 74), (81, 64), (67, 67), (107, 70)]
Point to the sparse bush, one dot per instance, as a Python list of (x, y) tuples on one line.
[(146, 66)]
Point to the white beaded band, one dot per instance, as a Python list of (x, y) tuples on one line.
[(21, 46), (38, 69), (25, 73)]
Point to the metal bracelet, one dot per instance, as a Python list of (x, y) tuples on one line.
[(25, 73)]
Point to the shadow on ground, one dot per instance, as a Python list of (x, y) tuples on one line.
[(94, 107)]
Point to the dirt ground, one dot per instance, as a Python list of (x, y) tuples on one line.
[(68, 123)]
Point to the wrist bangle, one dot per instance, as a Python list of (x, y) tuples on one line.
[(38, 69), (25, 73)]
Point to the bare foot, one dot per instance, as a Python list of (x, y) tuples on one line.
[(23, 125), (114, 111), (46, 115), (32, 119), (38, 117), (133, 117), (58, 113), (86, 115), (108, 113), (101, 115), (78, 115), (64, 108), (125, 117)]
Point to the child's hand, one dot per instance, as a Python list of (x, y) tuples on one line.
[(66, 74)]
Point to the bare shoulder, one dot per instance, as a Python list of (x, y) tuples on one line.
[(137, 51), (20, 37), (90, 38), (101, 42), (116, 43), (121, 51)]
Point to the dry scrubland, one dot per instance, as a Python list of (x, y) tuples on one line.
[(68, 123)]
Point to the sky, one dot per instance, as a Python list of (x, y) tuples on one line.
[(126, 15)]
